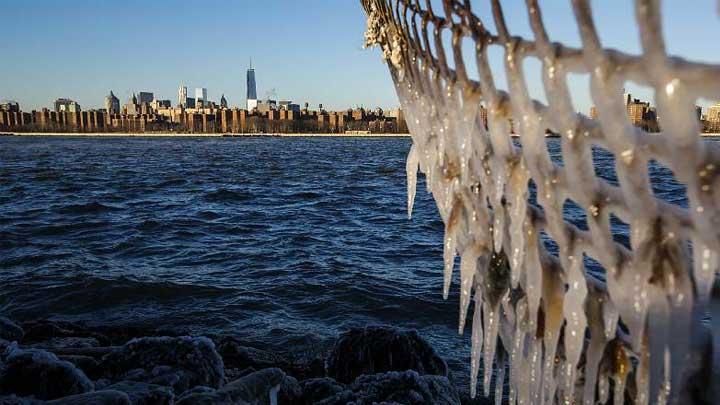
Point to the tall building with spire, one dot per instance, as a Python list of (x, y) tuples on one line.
[(112, 104), (251, 89), (223, 102), (182, 96)]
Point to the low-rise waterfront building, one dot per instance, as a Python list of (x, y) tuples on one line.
[(66, 105)]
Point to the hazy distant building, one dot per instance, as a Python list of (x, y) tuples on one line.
[(201, 94), (713, 113), (189, 102), (132, 107), (252, 101), (158, 104), (593, 112), (712, 118), (145, 97), (66, 105), (637, 110), (627, 98), (223, 102), (112, 104), (9, 106), (182, 96), (264, 106)]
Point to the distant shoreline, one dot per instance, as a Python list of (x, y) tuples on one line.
[(199, 135)]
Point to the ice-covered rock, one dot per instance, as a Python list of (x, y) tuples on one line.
[(73, 342), (406, 387), (238, 358), (144, 394), (10, 331), (108, 397), (16, 400), (212, 397), (34, 372), (85, 363), (236, 355), (318, 389), (51, 333), (377, 349), (290, 391), (182, 362), (200, 389), (258, 388)]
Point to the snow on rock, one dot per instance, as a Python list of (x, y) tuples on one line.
[(34, 372), (258, 388), (144, 394), (108, 397), (16, 400), (236, 355), (317, 389), (87, 364), (377, 349), (406, 387), (182, 362), (290, 391)]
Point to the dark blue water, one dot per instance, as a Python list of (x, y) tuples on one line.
[(283, 241)]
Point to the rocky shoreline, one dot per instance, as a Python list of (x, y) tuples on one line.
[(65, 363)]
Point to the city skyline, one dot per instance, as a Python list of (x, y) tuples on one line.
[(308, 52)]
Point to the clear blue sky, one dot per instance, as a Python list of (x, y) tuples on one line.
[(307, 50)]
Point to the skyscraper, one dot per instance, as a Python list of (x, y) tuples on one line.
[(201, 94), (112, 104), (223, 102), (146, 97), (251, 88), (182, 96)]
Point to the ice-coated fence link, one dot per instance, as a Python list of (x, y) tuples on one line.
[(563, 334)]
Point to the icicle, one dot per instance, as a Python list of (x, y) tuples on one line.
[(499, 212), (518, 380), (603, 388), (596, 347), (449, 259), (533, 271), (621, 367), (449, 245), (636, 280), (477, 343), (658, 331), (518, 211), (553, 294), (490, 320), (500, 377), (641, 376), (411, 169), (705, 266), (611, 318), (468, 268), (535, 370), (576, 322)]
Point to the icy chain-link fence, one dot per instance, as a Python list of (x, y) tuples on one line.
[(563, 334)]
